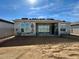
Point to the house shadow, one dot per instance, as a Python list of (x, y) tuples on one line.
[(38, 40)]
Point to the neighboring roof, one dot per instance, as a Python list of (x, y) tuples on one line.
[(75, 24), (6, 21)]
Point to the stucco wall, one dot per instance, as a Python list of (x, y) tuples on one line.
[(65, 26), (59, 25), (6, 29)]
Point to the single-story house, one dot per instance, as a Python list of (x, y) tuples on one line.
[(6, 28), (37, 26), (75, 28)]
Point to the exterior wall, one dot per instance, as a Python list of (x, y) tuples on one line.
[(6, 29), (58, 27), (16, 26), (63, 28), (75, 30)]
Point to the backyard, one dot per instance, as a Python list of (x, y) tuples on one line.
[(40, 47)]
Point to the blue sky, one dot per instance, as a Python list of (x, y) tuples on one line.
[(58, 9)]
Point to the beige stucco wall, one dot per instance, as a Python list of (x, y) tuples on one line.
[(6, 29)]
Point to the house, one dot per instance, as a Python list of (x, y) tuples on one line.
[(75, 28), (6, 28), (40, 26)]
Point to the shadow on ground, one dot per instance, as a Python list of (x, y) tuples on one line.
[(38, 40)]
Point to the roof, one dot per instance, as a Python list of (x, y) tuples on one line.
[(39, 20), (6, 21)]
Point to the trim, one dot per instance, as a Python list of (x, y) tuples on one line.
[(6, 21)]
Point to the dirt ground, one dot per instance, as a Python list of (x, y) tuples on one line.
[(40, 48)]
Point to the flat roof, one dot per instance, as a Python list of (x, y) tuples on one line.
[(6, 21), (75, 24), (39, 21)]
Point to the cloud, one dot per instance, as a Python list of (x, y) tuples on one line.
[(58, 10), (70, 12), (53, 5), (43, 7), (41, 17), (75, 11), (49, 7)]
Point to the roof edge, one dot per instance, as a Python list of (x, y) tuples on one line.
[(6, 21)]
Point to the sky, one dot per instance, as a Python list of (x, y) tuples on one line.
[(67, 10)]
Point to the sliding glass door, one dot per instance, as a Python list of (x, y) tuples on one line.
[(43, 28)]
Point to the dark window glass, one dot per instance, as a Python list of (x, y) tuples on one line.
[(22, 30), (63, 29), (16, 29)]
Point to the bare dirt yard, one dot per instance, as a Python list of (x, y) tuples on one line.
[(40, 47)]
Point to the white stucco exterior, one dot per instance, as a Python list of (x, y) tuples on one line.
[(37, 23)]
